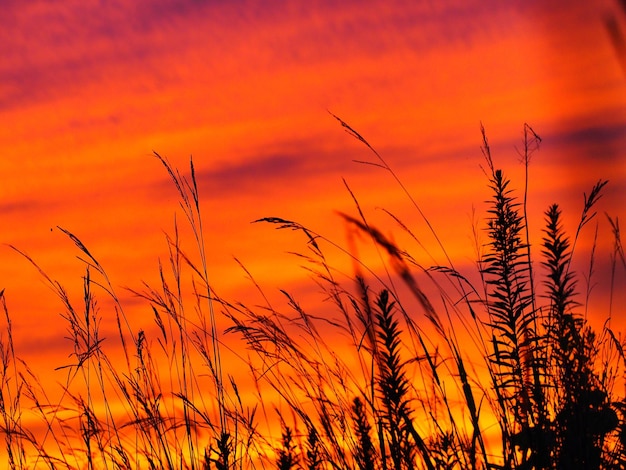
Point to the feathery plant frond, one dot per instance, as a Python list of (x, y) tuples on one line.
[(287, 457), (518, 357), (557, 255), (313, 458), (583, 416), (394, 387), (393, 384), (365, 452), (511, 318)]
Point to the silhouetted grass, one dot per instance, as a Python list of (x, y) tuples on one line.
[(503, 373)]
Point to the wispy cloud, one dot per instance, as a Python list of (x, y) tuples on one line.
[(52, 50)]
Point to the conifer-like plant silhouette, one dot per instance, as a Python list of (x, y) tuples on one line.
[(518, 357)]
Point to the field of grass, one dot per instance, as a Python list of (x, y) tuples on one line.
[(414, 367)]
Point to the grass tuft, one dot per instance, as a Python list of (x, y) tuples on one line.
[(405, 367)]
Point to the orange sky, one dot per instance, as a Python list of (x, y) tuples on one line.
[(88, 89)]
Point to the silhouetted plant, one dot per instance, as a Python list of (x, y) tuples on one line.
[(365, 452), (394, 387), (287, 456), (313, 458), (412, 395), (518, 356)]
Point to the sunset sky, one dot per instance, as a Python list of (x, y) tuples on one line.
[(89, 89)]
